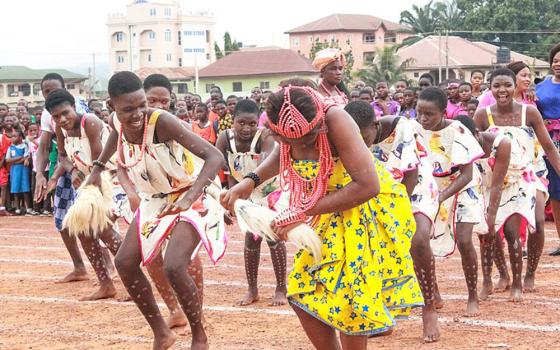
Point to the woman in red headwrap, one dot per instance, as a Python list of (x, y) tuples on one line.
[(331, 63), (365, 277)]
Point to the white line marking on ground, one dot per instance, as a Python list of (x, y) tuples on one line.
[(534, 299), (511, 325)]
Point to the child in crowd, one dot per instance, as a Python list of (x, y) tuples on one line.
[(5, 143), (472, 106), (452, 152), (408, 107), (383, 104), (183, 114), (231, 101), (366, 95), (244, 147), (399, 98), (453, 103), (20, 172), (354, 95), (33, 143), (202, 126), (225, 121), (397, 142)]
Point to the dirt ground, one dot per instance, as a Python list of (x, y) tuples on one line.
[(36, 313)]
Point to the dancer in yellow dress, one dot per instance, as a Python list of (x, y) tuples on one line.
[(365, 278)]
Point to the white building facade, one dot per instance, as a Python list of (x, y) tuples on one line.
[(160, 35)]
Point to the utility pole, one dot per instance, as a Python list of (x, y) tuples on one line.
[(446, 54), (196, 88), (89, 83), (439, 57)]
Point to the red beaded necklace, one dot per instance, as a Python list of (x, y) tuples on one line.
[(339, 94), (120, 152), (304, 194)]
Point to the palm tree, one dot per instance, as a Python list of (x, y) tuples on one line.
[(385, 67), (422, 20), (448, 14)]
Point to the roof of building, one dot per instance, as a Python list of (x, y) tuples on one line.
[(23, 73), (172, 73), (462, 53), (258, 62), (347, 22)]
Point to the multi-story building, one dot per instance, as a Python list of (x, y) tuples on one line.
[(363, 34), (154, 34)]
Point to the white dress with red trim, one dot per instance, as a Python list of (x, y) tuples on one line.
[(449, 148), (163, 174), (78, 151)]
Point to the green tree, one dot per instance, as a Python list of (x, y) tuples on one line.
[(348, 55), (448, 15), (500, 17), (385, 67), (229, 46), (422, 20), (219, 53)]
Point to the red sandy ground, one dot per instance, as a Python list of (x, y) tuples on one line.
[(35, 313)]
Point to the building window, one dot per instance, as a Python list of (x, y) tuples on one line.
[(119, 36), (12, 90), (149, 57), (391, 38), (151, 35), (296, 42), (237, 86), (182, 88), (207, 36), (167, 12), (179, 38), (349, 39), (167, 35), (368, 57), (180, 62), (265, 85), (70, 86), (369, 38), (152, 12), (120, 59), (168, 57), (199, 50), (208, 56), (187, 32), (332, 39), (25, 89), (416, 74), (209, 87)]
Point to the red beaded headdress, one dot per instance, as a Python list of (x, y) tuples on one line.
[(304, 194)]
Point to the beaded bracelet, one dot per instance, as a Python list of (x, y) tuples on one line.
[(253, 176), (99, 164)]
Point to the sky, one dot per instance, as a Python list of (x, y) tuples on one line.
[(65, 33)]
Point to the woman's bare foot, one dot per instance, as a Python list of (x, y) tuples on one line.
[(177, 319), (487, 290), (106, 291), (430, 326), (472, 308), (279, 297), (529, 284), (79, 274), (124, 298), (249, 298), (165, 341), (199, 340), (516, 295), (504, 283)]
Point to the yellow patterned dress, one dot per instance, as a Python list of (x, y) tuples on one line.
[(365, 278)]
